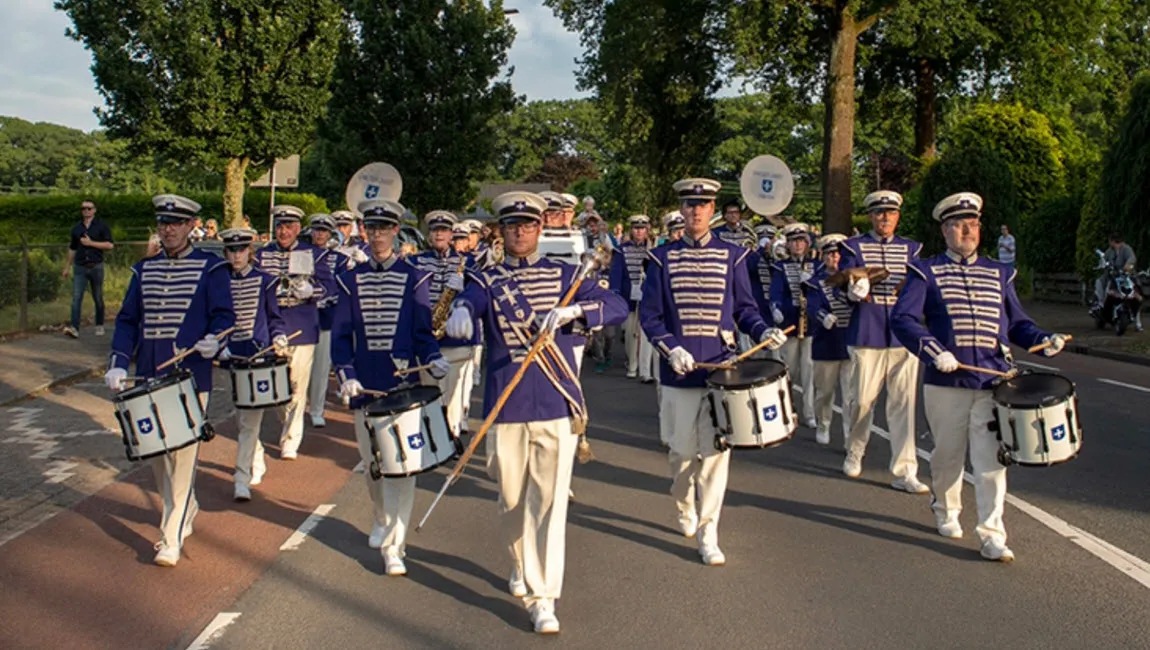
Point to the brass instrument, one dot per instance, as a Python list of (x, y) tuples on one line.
[(802, 301), (443, 306)]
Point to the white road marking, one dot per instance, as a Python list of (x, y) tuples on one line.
[(1130, 565), (1038, 365), (44, 443), (297, 538), (214, 630), (1124, 385)]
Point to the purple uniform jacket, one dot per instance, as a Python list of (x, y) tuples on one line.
[(971, 310), (786, 285), (696, 293), (628, 266), (439, 268), (301, 315), (870, 322), (759, 271), (258, 318), (829, 344), (338, 263)]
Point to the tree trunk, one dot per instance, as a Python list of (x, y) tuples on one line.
[(235, 181), (838, 136), (925, 111)]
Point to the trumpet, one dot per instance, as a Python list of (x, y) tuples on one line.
[(443, 306)]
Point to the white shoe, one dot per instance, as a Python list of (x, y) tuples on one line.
[(256, 479), (100, 330), (289, 455), (950, 528), (852, 466), (393, 562), (243, 493), (823, 437), (910, 484), (543, 616), (632, 375), (996, 551), (166, 555), (711, 554), (318, 422), (689, 524), (516, 585), (810, 423), (375, 539)]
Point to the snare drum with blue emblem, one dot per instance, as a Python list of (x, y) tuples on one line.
[(1036, 418), (261, 382), (161, 415), (408, 433), (751, 405)]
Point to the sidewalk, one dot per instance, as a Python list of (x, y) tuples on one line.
[(39, 361), (1132, 347)]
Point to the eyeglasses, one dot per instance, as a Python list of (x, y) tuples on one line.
[(526, 227), (86, 208)]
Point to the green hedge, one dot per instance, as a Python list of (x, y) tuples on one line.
[(1047, 240), (48, 219), (1124, 190), (965, 170), (44, 281)]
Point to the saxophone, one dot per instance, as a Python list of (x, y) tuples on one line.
[(443, 306)]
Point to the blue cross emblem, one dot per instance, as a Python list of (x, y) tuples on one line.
[(144, 425), (262, 386), (768, 185), (770, 413), (415, 441), (697, 189), (169, 205), (371, 192), (520, 205), (1058, 432)]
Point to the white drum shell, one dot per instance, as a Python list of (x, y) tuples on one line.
[(156, 422), (261, 386), (758, 417), (1040, 436), (414, 441)]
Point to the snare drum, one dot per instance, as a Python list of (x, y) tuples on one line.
[(751, 404), (161, 415), (260, 383), (1036, 418), (408, 433)]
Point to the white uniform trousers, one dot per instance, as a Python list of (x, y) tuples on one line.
[(640, 354), (175, 475), (796, 353), (250, 465), (320, 369), (685, 419), (391, 498), (578, 349), (897, 369), (292, 413), (534, 468), (476, 375), (958, 416), (456, 385), (827, 374)]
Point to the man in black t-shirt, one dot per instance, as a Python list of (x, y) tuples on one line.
[(90, 238)]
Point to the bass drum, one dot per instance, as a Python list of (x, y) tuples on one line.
[(751, 405)]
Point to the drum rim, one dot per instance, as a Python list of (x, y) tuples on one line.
[(414, 404), (152, 384), (745, 385), (259, 363), (1030, 405), (420, 471)]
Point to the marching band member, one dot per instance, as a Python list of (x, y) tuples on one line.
[(553, 215), (322, 227), (258, 324), (353, 248), (696, 293), (788, 308), (569, 203), (305, 283), (673, 225), (733, 230), (461, 238), (176, 299), (534, 445), (971, 311), (628, 268), (600, 339), (445, 271), (759, 271), (366, 355), (876, 355), (829, 355)]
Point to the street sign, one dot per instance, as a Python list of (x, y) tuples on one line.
[(286, 174)]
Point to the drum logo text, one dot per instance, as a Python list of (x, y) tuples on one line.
[(262, 386), (415, 441), (770, 413), (144, 425), (1058, 432)]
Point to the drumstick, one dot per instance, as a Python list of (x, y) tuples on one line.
[(272, 346), (1042, 346), (180, 357), (428, 366), (742, 357), (988, 371)]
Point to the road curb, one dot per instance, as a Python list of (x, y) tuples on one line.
[(66, 379), (1101, 353)]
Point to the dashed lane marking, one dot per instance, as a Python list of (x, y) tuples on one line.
[(300, 535), (214, 630), (1124, 385)]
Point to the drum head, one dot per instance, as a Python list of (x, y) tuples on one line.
[(1033, 390), (259, 362), (402, 400), (153, 384), (747, 374)]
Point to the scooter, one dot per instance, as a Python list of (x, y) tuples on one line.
[(1123, 301)]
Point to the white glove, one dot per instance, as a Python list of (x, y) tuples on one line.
[(208, 347), (559, 317), (359, 255), (858, 290), (455, 282), (946, 362), (439, 368), (775, 336), (681, 361), (303, 290), (805, 276), (459, 323), (115, 378), (350, 388), (225, 355), (636, 293), (1057, 342), (829, 320), (281, 344), (777, 315), (400, 363)]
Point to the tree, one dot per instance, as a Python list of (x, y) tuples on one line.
[(415, 86), (1124, 193), (535, 130), (560, 171), (229, 85)]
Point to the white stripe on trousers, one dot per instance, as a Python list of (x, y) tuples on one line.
[(897, 369)]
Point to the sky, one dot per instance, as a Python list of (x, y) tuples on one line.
[(45, 76)]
